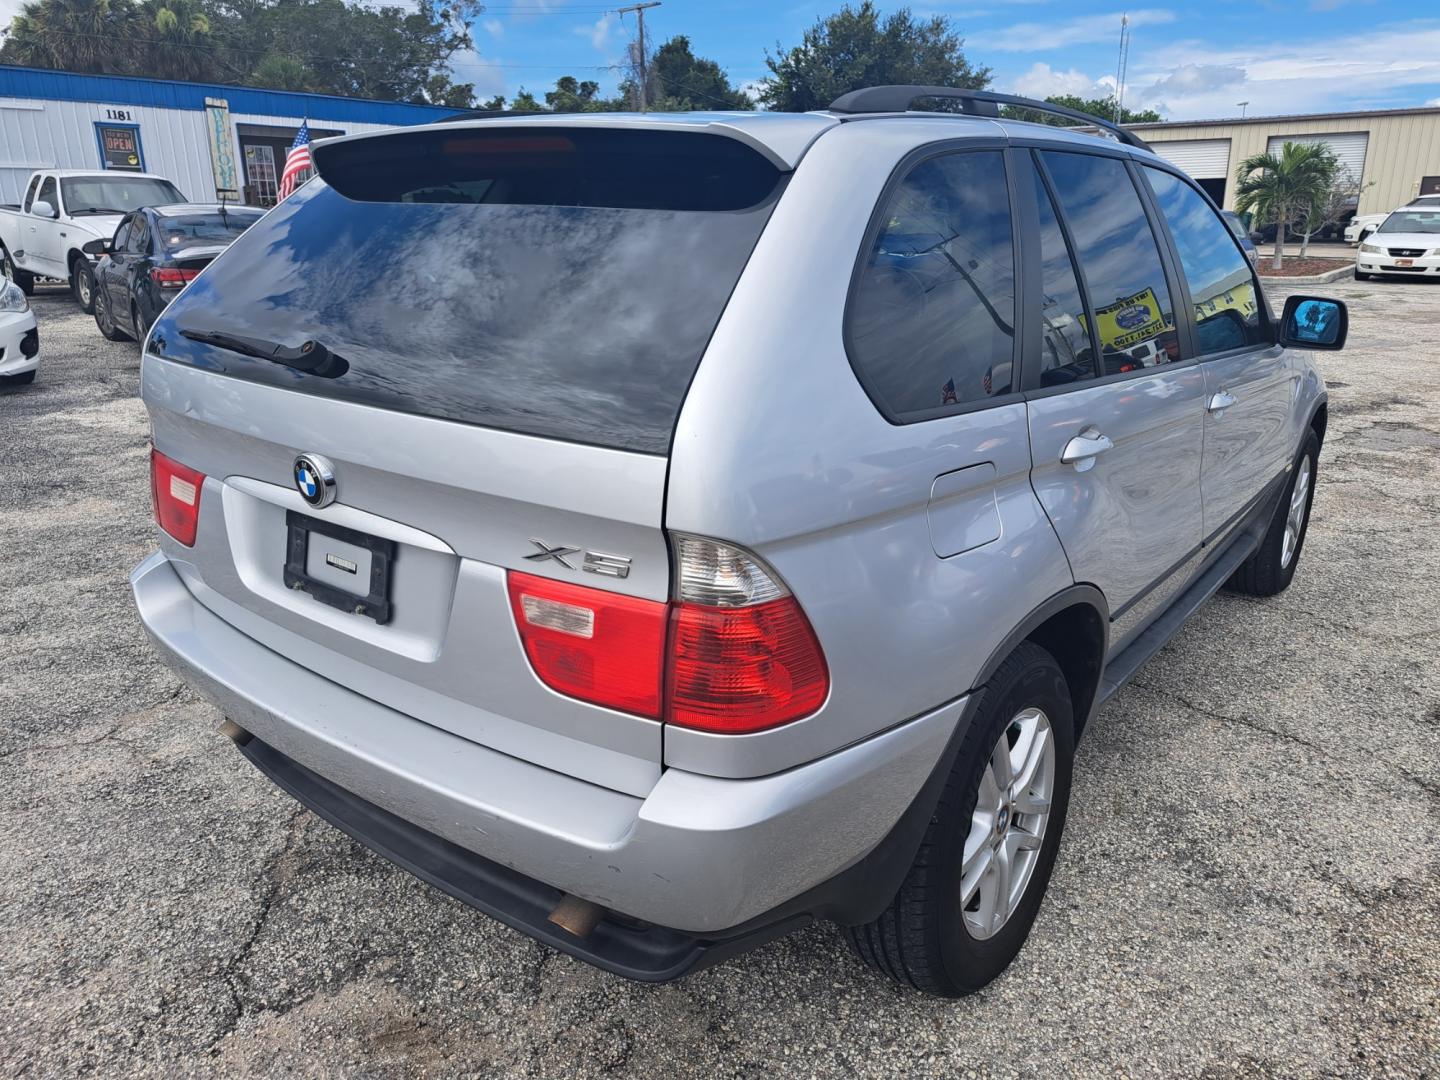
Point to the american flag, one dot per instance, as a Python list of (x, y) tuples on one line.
[(297, 163)]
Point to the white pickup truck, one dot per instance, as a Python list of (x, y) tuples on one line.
[(63, 210)]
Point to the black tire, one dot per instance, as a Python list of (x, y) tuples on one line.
[(137, 320), (1360, 275), (14, 273), (1267, 571), (921, 940), (82, 285), (105, 319), (25, 378)]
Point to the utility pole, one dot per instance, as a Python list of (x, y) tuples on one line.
[(639, 10), (1242, 105), (1120, 65)]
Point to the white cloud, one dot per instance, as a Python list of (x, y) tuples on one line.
[(1291, 76), (1043, 81), (486, 73), (1064, 33), (494, 27), (599, 33), (1434, 101), (1196, 80)]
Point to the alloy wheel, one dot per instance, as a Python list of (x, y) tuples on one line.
[(1007, 828), (84, 286), (1295, 515)]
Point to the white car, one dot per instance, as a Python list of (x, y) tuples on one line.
[(19, 336), (1407, 242), (1361, 227)]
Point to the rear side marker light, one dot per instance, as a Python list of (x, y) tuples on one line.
[(176, 491), (732, 653)]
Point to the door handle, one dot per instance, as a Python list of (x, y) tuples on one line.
[(1082, 450), (1220, 401)]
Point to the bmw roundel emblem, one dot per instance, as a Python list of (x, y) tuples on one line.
[(315, 480)]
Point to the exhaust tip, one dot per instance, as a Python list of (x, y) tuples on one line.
[(234, 732), (577, 916)]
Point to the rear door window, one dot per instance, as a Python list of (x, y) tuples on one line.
[(1067, 353), (554, 282), (931, 323), (1220, 278), (1125, 279)]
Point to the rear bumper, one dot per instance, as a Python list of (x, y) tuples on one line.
[(699, 855)]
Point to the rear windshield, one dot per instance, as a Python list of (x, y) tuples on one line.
[(217, 227), (557, 283)]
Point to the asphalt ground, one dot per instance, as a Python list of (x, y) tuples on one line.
[(1248, 885)]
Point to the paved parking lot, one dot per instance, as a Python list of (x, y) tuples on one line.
[(1248, 885)]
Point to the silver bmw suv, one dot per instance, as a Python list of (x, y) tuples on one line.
[(663, 531)]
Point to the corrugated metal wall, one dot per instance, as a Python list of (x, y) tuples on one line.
[(173, 142), (1401, 149)]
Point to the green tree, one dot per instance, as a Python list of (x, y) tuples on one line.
[(179, 44), (1104, 108), (676, 80), (69, 35), (395, 53), (855, 48), (1280, 189)]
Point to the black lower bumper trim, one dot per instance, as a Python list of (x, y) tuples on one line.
[(636, 951)]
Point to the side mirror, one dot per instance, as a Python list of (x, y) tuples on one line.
[(96, 248), (41, 208), (1312, 322)]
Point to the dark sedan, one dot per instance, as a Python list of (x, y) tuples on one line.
[(156, 251)]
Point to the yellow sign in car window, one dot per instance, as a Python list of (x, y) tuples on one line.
[(1129, 321)]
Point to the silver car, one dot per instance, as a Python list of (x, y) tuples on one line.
[(663, 531)]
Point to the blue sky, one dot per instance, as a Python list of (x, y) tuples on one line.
[(1190, 61)]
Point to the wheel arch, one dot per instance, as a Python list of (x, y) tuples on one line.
[(1319, 419), (1074, 627)]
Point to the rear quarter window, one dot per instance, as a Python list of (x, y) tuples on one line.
[(561, 283)]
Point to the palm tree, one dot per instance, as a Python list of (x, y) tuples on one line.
[(1280, 188), (67, 35), (178, 34)]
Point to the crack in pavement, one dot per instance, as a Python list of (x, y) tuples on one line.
[(231, 971)]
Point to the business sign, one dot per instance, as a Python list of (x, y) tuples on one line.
[(1129, 321), (222, 149), (120, 147)]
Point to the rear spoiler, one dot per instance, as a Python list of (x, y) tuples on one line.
[(782, 138)]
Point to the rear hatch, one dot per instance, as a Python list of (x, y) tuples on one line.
[(484, 333)]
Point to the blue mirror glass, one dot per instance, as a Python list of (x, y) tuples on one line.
[(1316, 321)]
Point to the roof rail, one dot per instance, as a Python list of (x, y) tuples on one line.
[(886, 99)]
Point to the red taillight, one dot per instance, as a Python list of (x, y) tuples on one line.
[(169, 277), (176, 491), (739, 669), (591, 644), (738, 654)]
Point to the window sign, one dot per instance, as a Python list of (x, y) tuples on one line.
[(120, 146)]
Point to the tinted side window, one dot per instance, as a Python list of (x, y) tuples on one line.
[(1066, 352), (932, 321), (1222, 285), (139, 236), (122, 234), (1134, 315)]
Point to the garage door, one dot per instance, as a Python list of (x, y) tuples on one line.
[(1348, 146), (1204, 159)]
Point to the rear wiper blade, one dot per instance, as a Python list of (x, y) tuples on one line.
[(311, 357)]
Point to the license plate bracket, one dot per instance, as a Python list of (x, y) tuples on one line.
[(375, 603), (1404, 262)]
